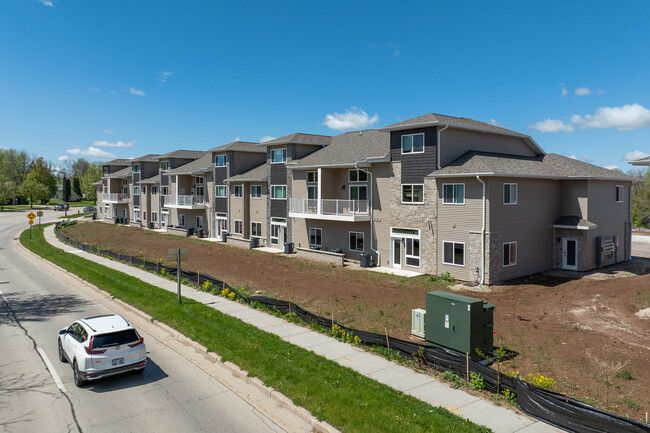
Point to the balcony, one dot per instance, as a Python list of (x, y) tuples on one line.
[(115, 197), (184, 201), (330, 209)]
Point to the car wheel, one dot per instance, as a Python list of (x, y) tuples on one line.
[(61, 354), (78, 381)]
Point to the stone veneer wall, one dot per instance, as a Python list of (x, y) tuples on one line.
[(237, 242), (493, 256), (416, 216), (320, 256)]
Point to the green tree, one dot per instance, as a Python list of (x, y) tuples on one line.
[(92, 174), (641, 200), (16, 165), (79, 168), (67, 189), (34, 190), (76, 186), (41, 172)]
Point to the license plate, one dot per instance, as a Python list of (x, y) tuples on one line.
[(118, 361)]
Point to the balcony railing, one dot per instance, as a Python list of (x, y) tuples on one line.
[(333, 207), (114, 197), (183, 200)]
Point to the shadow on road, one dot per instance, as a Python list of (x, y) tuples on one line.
[(38, 308), (152, 373)]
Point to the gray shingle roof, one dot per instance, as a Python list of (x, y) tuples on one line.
[(257, 174), (299, 138), (186, 154), (152, 157), (643, 161), (200, 165), (152, 180), (550, 166), (119, 161), (459, 122), (239, 146), (348, 149), (125, 172)]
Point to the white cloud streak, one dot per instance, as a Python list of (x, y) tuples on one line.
[(136, 91), (551, 126), (108, 131), (354, 118), (625, 118), (634, 155), (565, 92), (583, 91), (265, 138), (165, 75), (101, 143), (46, 3), (610, 167), (63, 158), (93, 152)]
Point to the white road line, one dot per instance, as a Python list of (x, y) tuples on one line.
[(55, 375)]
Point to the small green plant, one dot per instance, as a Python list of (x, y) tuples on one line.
[(625, 374), (631, 403), (453, 378), (206, 286), (540, 381), (510, 397), (476, 382)]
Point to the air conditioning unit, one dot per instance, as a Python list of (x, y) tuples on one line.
[(418, 319)]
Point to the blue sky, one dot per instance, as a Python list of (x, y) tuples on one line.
[(124, 78)]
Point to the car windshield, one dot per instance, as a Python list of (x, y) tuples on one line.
[(115, 339)]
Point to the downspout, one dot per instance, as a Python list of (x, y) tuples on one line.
[(482, 234), (372, 219), (438, 143)]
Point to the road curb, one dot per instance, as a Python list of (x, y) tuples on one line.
[(235, 371)]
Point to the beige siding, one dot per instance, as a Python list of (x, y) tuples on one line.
[(382, 193), (610, 216), (257, 208), (298, 184), (239, 210), (573, 196), (529, 223), (455, 142)]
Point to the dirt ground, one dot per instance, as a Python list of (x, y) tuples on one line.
[(584, 333)]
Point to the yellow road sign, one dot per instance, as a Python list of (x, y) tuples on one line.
[(31, 222), (31, 215)]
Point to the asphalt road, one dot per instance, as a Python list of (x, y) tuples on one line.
[(172, 395)]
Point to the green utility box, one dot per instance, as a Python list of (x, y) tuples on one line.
[(459, 323)]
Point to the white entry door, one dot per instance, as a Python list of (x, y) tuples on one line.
[(396, 253), (164, 219), (222, 225), (570, 253)]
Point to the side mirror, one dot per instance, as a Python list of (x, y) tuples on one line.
[(63, 332)]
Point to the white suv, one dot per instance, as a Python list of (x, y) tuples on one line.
[(101, 346)]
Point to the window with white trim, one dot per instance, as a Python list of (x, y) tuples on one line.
[(144, 190), (136, 214), (312, 185), (278, 156), (312, 177), (154, 190), (106, 169), (278, 191), (413, 193), (275, 234), (239, 227), (238, 191), (357, 176), (181, 220), (453, 253), (221, 191), (315, 237), (453, 193), (413, 143), (358, 192), (136, 168), (256, 191), (509, 254), (256, 230), (164, 165), (510, 192), (106, 211), (356, 241), (154, 217), (412, 252), (136, 190), (619, 193), (164, 190), (220, 160)]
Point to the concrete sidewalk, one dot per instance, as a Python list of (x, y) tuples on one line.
[(421, 386)]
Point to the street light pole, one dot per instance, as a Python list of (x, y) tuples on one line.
[(65, 196)]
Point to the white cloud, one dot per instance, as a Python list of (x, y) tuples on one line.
[(551, 126), (101, 143), (625, 118), (63, 158), (46, 3), (611, 167), (582, 91), (165, 75), (395, 48), (353, 118), (634, 155), (94, 89), (494, 122), (108, 131), (565, 92), (136, 91), (600, 92), (265, 138), (91, 151)]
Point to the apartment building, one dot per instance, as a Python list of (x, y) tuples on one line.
[(433, 194), (113, 190)]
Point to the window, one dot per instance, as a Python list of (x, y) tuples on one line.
[(220, 160), (154, 216), (312, 177), (278, 156), (275, 234), (239, 227), (221, 191), (619, 193), (199, 180), (278, 191), (356, 241), (412, 193), (136, 168), (136, 214), (106, 169), (154, 190), (315, 237), (357, 176), (144, 190), (412, 253), (413, 143), (453, 253), (238, 191), (106, 211), (136, 190), (164, 190), (510, 193), (509, 254), (256, 230), (164, 165), (358, 192), (181, 220), (312, 185), (256, 191), (453, 193)]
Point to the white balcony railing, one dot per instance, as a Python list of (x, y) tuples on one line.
[(114, 197), (329, 207), (183, 200)]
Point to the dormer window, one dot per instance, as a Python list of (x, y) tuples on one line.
[(164, 165), (278, 156), (136, 168), (413, 143), (220, 160), (107, 169)]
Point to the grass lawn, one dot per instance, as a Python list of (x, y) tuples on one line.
[(345, 399), (80, 203), (9, 207)]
